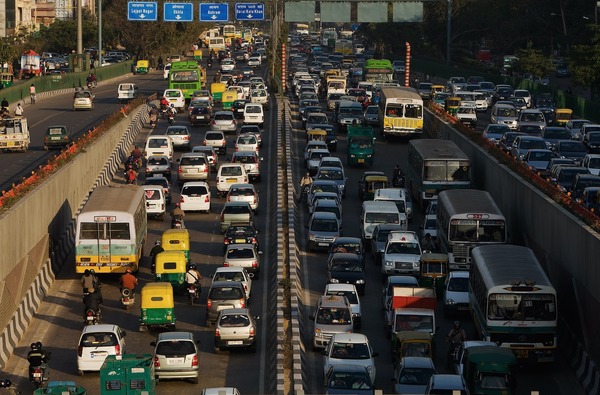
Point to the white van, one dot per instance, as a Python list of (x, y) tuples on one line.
[(254, 114), (127, 91), (156, 204), (398, 197), (229, 174), (159, 145), (216, 43), (374, 213), (175, 98)]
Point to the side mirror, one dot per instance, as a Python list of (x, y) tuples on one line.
[(153, 344)]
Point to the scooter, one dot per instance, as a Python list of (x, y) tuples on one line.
[(171, 118), (127, 298), (92, 317), (398, 181), (38, 376), (177, 223), (194, 291)]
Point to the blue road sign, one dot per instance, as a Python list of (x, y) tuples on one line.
[(249, 11), (142, 11), (214, 12), (178, 12)]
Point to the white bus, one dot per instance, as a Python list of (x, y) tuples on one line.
[(111, 230), (216, 43), (328, 34), (467, 218), (400, 112), (229, 31), (513, 301)]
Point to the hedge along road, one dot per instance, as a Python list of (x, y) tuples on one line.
[(57, 110)]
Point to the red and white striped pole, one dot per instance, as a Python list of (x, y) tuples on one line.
[(407, 66), (283, 68)]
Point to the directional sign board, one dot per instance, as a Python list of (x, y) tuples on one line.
[(214, 12), (178, 12), (249, 11), (142, 11)]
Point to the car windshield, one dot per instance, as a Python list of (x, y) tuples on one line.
[(458, 284), (226, 293), (194, 191), (158, 143), (324, 226), (347, 267), (157, 161), (403, 248), (330, 175), (175, 347), (350, 351), (333, 316), (415, 376), (192, 161), (231, 171), (572, 147), (540, 156)]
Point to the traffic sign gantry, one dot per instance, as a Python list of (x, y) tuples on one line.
[(249, 11), (214, 12), (142, 11), (178, 12)]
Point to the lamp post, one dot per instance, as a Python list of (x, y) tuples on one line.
[(99, 33), (79, 36), (448, 31)]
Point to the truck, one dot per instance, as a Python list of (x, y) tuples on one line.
[(14, 134), (490, 370), (128, 374), (31, 65), (410, 309), (361, 145)]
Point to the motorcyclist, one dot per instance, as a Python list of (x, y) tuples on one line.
[(131, 175), (171, 112), (192, 276), (128, 280), (305, 184), (91, 301), (93, 79), (136, 152), (209, 64), (37, 357), (97, 286), (398, 177), (87, 281), (154, 114), (456, 336), (428, 243), (157, 249), (177, 213), (164, 103)]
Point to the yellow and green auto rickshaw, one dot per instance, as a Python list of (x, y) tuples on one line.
[(142, 67), (227, 99), (316, 135), (412, 344), (563, 116), (157, 306), (451, 105), (216, 90), (197, 55), (433, 271), (176, 240), (6, 79), (370, 184), (171, 268)]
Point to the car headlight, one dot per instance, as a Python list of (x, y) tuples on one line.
[(450, 301), (334, 281), (415, 265), (388, 263), (361, 281), (311, 237), (317, 333)]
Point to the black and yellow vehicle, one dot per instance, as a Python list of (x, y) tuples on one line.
[(142, 67), (128, 374), (176, 240), (370, 182), (437, 89), (6, 79), (157, 306), (216, 90), (412, 344), (316, 135), (197, 55), (171, 268), (562, 116), (433, 271), (451, 105), (227, 99)]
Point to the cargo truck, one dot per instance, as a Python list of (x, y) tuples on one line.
[(361, 145)]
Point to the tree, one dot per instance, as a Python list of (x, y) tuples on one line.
[(533, 61), (61, 36), (585, 62)]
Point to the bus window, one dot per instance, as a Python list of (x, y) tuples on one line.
[(394, 111), (413, 111)]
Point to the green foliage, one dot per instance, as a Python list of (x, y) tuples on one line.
[(585, 62), (533, 61), (8, 51), (61, 36)]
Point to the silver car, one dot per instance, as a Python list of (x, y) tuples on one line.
[(224, 121), (158, 165), (180, 135), (251, 163), (211, 155), (224, 295), (235, 328), (176, 355), (243, 255), (323, 228), (243, 193)]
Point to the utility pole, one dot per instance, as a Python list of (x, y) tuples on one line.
[(99, 57), (448, 31), (79, 36)]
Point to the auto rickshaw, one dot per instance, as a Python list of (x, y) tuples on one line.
[(433, 271), (451, 105), (437, 89), (59, 388), (371, 184), (157, 306), (171, 267), (6, 79), (562, 116), (316, 135), (412, 344), (142, 67), (197, 55), (216, 90), (177, 240), (227, 99)]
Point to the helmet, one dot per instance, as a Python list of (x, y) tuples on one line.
[(307, 174), (38, 345), (33, 346), (177, 205), (427, 236), (86, 272), (92, 271), (127, 270), (157, 243), (191, 266), (456, 325)]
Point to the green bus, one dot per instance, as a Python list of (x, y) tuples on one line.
[(378, 70), (187, 76)]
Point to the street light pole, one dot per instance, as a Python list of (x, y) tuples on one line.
[(79, 36), (99, 33), (448, 31)]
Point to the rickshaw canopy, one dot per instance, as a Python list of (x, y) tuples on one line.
[(142, 64), (171, 262), (157, 295), (316, 134), (176, 240)]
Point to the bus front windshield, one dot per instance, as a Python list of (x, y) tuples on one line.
[(184, 76), (446, 170), (522, 307), (477, 231)]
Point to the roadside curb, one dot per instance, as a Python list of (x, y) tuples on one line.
[(585, 369)]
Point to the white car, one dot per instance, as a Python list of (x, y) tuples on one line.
[(195, 196), (350, 292), (350, 349), (227, 64), (456, 293), (246, 142), (175, 98), (235, 273), (96, 343), (254, 61), (243, 193), (159, 145), (229, 174)]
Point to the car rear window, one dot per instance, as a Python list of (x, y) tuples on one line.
[(152, 194), (223, 117), (244, 159), (192, 161), (157, 161), (236, 209), (194, 191), (175, 347), (213, 136), (158, 143), (234, 320), (177, 131), (231, 171), (226, 293), (240, 253), (99, 339), (229, 276), (241, 192)]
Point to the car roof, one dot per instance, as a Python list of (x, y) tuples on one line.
[(417, 362), (459, 274), (340, 287), (175, 336), (324, 215), (221, 269), (100, 328), (357, 338)]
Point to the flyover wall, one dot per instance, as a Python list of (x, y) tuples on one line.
[(37, 231)]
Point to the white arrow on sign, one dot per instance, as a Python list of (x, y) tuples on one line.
[(249, 16), (213, 17), (142, 16), (178, 17)]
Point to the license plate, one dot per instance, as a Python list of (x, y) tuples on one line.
[(323, 244), (55, 138), (231, 180), (361, 161), (235, 342), (240, 241), (240, 110), (175, 361), (224, 306), (522, 354), (10, 143), (90, 318), (192, 291), (192, 171), (36, 374), (199, 116)]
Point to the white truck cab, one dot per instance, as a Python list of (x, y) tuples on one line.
[(14, 134)]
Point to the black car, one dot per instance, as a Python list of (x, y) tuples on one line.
[(200, 116), (241, 233), (347, 268), (351, 245), (591, 140), (238, 108), (502, 94), (507, 140), (571, 149), (583, 181), (57, 136)]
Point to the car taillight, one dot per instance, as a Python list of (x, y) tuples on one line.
[(204, 142), (186, 137), (179, 170), (79, 351), (117, 350), (195, 360), (213, 122), (217, 332), (245, 180), (243, 303), (252, 331), (208, 303), (156, 362), (233, 122), (207, 199), (228, 198), (226, 241), (255, 264), (147, 170), (224, 143), (254, 200), (181, 200), (254, 240), (236, 148), (226, 264)]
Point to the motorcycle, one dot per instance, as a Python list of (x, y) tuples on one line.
[(453, 352), (171, 118), (304, 193), (194, 291), (177, 223), (38, 376), (127, 298), (164, 110), (92, 317), (398, 181), (130, 180), (209, 65)]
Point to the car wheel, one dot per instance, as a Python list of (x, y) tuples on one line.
[(217, 350)]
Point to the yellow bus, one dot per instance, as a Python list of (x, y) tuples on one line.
[(400, 112)]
